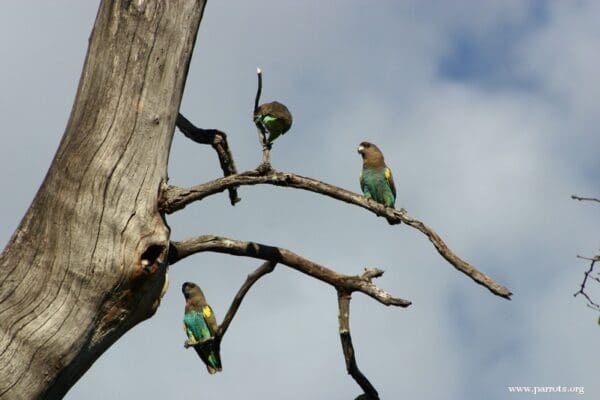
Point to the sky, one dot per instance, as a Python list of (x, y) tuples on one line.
[(486, 113)]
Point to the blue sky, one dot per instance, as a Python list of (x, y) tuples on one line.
[(486, 112)]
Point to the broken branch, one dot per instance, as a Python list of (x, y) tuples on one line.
[(218, 140), (265, 164), (348, 348)]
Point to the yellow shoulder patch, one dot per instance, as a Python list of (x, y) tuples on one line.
[(388, 173), (206, 311)]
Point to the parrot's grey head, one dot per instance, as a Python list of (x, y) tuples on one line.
[(370, 153), (366, 148), (188, 288), (193, 291)]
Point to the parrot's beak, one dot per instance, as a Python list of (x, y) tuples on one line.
[(360, 149)]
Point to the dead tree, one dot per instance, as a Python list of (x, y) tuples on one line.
[(89, 259)]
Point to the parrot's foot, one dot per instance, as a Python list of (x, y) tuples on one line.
[(397, 220), (393, 221), (192, 343)]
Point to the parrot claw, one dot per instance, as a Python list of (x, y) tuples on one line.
[(264, 168)]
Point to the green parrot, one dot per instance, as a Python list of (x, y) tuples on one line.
[(275, 117), (376, 179), (199, 323)]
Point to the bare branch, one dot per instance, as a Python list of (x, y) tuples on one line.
[(265, 164), (265, 268), (218, 140), (180, 250), (574, 197), (595, 258), (175, 198), (348, 348)]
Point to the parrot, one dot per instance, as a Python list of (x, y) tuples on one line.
[(376, 179), (275, 118), (199, 323)]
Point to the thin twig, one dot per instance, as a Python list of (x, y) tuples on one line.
[(175, 198), (218, 140), (265, 164), (348, 348), (265, 268), (582, 287), (180, 250), (595, 258), (574, 197)]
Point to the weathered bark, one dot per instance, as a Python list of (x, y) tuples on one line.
[(72, 276)]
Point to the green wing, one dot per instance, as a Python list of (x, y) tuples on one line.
[(196, 327), (363, 185)]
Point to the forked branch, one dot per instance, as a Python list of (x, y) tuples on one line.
[(343, 284), (175, 198), (586, 276), (363, 284)]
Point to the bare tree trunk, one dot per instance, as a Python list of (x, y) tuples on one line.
[(88, 260)]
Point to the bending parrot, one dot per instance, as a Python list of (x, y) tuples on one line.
[(376, 179), (200, 324), (275, 117)]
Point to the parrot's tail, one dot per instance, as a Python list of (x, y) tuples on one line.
[(214, 360), (210, 357)]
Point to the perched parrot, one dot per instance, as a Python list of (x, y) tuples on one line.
[(200, 324), (376, 179), (275, 117)]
